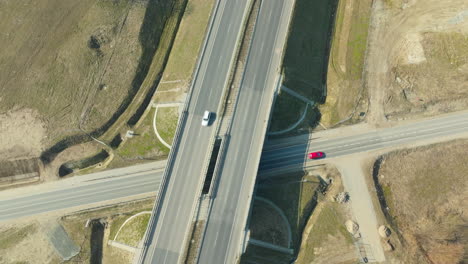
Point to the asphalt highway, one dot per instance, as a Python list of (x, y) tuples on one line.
[(126, 182), (282, 157), (179, 195), (80, 191), (225, 228)]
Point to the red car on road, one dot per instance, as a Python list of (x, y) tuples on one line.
[(316, 155)]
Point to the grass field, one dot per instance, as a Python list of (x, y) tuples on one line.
[(47, 56), (297, 195), (345, 88), (181, 63), (166, 123), (328, 240), (187, 46), (425, 195), (144, 144), (94, 64), (13, 236), (26, 242), (133, 231)]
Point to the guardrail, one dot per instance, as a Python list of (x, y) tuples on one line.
[(176, 141), (272, 100), (221, 155)]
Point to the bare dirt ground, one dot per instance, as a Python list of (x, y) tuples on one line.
[(15, 238), (417, 61), (423, 200), (22, 133), (325, 239)]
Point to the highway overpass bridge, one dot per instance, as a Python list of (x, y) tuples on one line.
[(183, 180)]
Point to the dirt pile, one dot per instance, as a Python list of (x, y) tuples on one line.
[(352, 227), (342, 197)]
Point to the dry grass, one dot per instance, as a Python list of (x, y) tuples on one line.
[(325, 238), (180, 66), (166, 123), (416, 62), (26, 243), (13, 236), (187, 45), (49, 66), (132, 233), (344, 83), (425, 190), (436, 85), (328, 240), (94, 65), (145, 144)]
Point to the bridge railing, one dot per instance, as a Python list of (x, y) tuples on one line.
[(176, 141)]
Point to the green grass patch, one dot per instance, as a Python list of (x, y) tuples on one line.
[(286, 111), (134, 230), (305, 59), (13, 236), (116, 224), (187, 43), (144, 143), (357, 41), (346, 65), (166, 122), (330, 222)]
